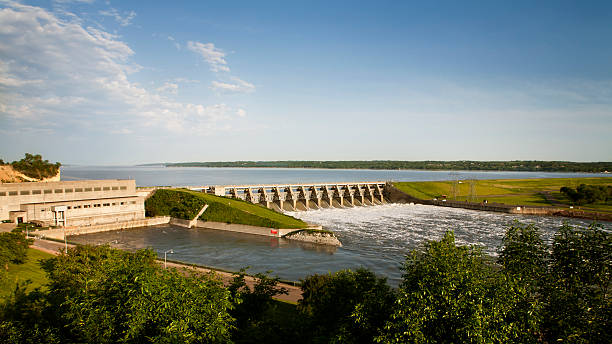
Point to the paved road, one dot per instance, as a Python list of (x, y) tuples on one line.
[(295, 293), (6, 227)]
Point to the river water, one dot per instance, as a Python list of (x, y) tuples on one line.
[(376, 237)]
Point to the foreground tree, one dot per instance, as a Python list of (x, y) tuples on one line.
[(103, 295), (578, 304), (453, 294), (347, 306)]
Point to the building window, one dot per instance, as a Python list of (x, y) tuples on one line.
[(35, 192), (122, 203), (12, 193), (78, 190), (96, 205), (115, 188), (123, 188), (68, 207), (106, 204), (2, 193), (114, 204), (68, 190), (87, 206), (98, 189), (48, 191), (59, 190), (87, 189), (106, 188), (24, 192), (133, 202)]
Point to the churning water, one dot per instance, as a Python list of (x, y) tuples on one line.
[(377, 237)]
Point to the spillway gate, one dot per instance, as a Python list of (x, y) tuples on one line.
[(300, 197)]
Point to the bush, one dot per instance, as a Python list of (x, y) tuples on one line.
[(585, 194), (175, 203)]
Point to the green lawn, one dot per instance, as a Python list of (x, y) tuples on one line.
[(229, 210), (537, 192), (185, 204), (30, 270)]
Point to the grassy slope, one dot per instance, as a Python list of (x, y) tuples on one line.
[(222, 209), (538, 192), (185, 204), (30, 270)]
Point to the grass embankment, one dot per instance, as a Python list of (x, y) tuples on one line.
[(30, 270), (186, 204), (534, 192)]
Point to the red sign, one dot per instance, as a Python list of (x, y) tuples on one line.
[(273, 231)]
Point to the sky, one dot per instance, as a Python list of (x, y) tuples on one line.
[(130, 82)]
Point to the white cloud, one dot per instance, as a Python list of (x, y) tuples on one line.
[(74, 1), (241, 112), (214, 56), (238, 85), (168, 87), (176, 44), (123, 20), (55, 72)]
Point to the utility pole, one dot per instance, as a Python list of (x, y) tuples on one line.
[(454, 185), (472, 190)]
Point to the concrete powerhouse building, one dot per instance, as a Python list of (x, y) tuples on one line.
[(71, 203)]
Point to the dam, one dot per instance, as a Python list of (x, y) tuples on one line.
[(301, 197)]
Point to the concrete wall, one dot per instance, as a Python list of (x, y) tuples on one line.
[(88, 212), (59, 232), (272, 232)]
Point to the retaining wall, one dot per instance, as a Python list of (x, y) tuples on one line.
[(272, 232), (58, 233)]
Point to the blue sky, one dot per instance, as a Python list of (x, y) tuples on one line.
[(126, 82)]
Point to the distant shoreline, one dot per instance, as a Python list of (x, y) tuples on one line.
[(503, 166)]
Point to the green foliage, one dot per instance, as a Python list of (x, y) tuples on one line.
[(34, 166), (578, 305), (175, 203), (29, 275), (585, 194), (452, 294), (549, 166), (253, 307), (230, 210), (109, 296), (13, 249), (523, 253), (347, 306), (186, 204)]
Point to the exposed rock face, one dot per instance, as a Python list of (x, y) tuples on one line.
[(320, 238)]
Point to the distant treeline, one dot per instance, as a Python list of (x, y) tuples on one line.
[(547, 166)]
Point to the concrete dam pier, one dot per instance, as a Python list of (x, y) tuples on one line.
[(301, 197)]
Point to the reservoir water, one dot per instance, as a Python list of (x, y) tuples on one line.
[(197, 176), (377, 237)]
